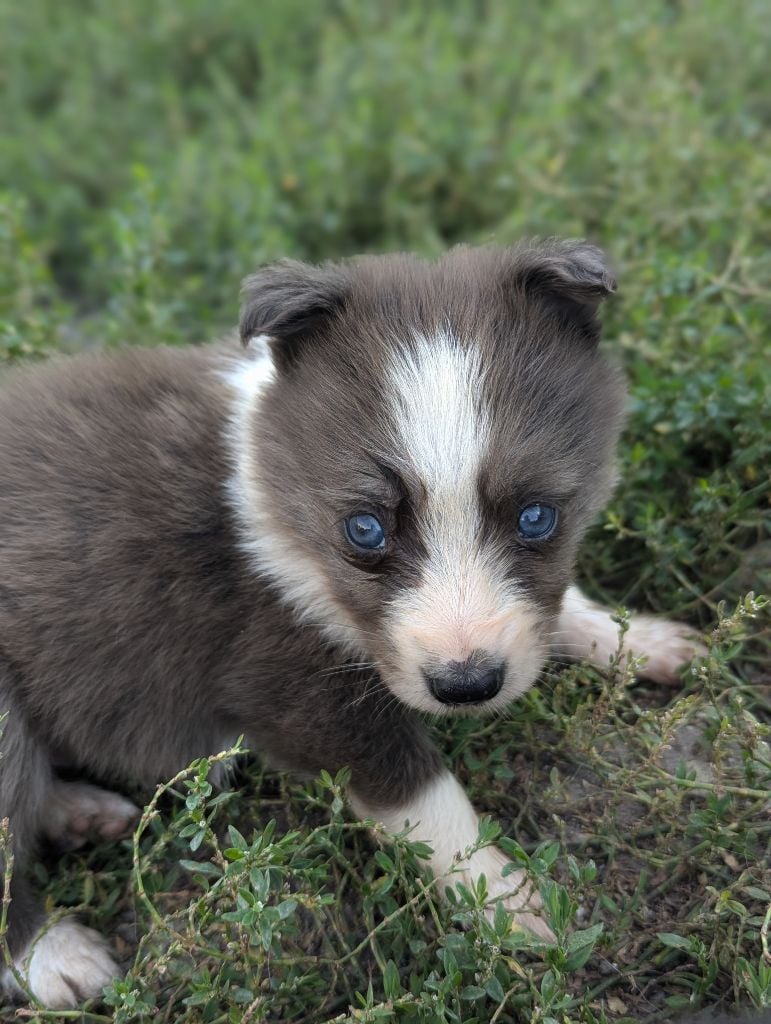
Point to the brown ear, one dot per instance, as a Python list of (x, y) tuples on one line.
[(572, 277), (289, 302)]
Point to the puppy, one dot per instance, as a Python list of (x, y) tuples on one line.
[(396, 470)]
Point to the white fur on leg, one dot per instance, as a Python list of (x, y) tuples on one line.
[(586, 630), (65, 965), (442, 816), (77, 810)]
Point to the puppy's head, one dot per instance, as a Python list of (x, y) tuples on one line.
[(428, 445)]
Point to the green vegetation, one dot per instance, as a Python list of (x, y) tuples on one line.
[(154, 153)]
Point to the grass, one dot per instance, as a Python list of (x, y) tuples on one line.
[(156, 152)]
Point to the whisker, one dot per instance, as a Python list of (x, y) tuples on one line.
[(561, 645), (355, 667), (338, 625), (563, 632), (385, 706), (378, 690)]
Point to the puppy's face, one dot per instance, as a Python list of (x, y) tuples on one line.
[(429, 445)]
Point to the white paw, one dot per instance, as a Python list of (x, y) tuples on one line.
[(514, 889), (441, 815), (587, 630), (77, 811), (66, 965), (666, 645)]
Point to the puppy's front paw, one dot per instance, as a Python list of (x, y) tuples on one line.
[(514, 889), (666, 645), (66, 965), (78, 811), (441, 815)]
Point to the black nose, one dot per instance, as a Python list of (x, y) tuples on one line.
[(466, 682)]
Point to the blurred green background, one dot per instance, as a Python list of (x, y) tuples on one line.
[(154, 152), (159, 150)]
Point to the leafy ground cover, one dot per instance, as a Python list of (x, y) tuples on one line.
[(154, 153)]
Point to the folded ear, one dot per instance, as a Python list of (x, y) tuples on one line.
[(290, 301), (572, 277)]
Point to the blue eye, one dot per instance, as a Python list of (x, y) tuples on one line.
[(365, 531), (537, 522)]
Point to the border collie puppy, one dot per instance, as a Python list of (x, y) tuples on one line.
[(396, 471)]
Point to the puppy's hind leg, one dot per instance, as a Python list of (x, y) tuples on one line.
[(77, 811), (59, 961), (25, 779), (585, 630)]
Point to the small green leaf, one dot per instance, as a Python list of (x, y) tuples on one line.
[(758, 894), (204, 867), (587, 937), (391, 982), (286, 909), (236, 838), (384, 861), (494, 990)]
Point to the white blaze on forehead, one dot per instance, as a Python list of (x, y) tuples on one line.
[(442, 424), (465, 600), (438, 411), (435, 392)]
